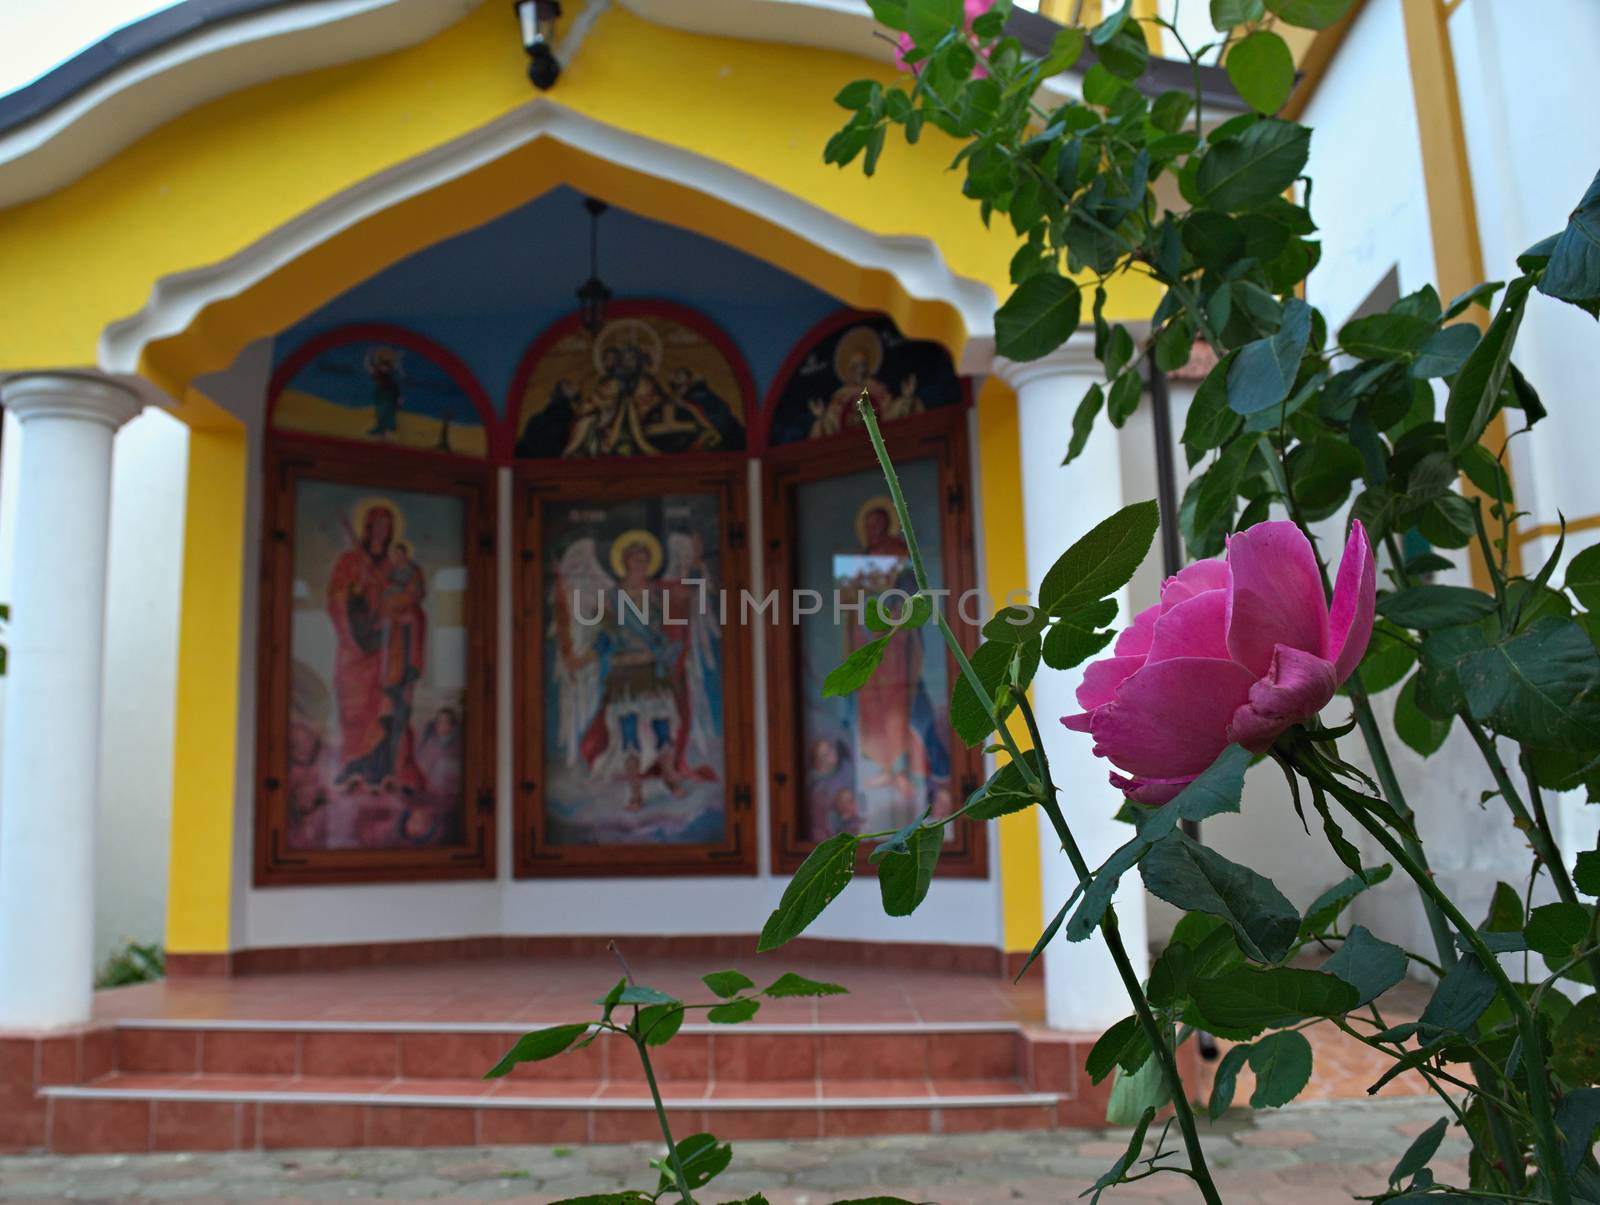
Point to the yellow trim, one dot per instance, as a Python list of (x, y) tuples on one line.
[(1005, 568), (1452, 209), (1314, 57), (1526, 534), (204, 760)]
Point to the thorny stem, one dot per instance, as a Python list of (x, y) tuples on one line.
[(655, 1092), (920, 573), (1041, 769), (1541, 1107)]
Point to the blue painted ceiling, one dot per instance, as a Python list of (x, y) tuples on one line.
[(487, 293)]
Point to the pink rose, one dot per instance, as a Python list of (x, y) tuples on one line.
[(1235, 652), (974, 10)]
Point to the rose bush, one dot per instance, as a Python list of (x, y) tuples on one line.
[(1236, 652)]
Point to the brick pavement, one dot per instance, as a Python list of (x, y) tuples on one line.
[(1315, 1153)]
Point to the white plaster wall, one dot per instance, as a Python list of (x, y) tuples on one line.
[(959, 911), (144, 574)]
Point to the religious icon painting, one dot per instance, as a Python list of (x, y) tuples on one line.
[(382, 385), (375, 717), (656, 379), (814, 395), (633, 752), (881, 757)]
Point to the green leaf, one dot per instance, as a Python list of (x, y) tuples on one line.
[(790, 984), (1367, 964), (1250, 999), (1107, 1051), (1124, 398), (891, 13), (1282, 1063), (1170, 110), (1576, 1118), (1461, 997), (1038, 317), (1253, 168), (1210, 422), (1435, 606), (1388, 336), (609, 1198), (1476, 390), (821, 877), (1325, 909), (1264, 370), (1445, 351), (1076, 637), (1541, 687), (727, 983), (904, 878), (639, 993), (1419, 1152), (702, 1158), (1262, 70), (1583, 577), (1005, 792), (1127, 53), (1195, 877), (1389, 655), (1573, 273), (1102, 561), (1216, 790), (1310, 14), (1556, 930), (856, 669), (971, 715), (1586, 874), (1419, 730), (880, 616), (1065, 50), (735, 1012), (1575, 1049), (1115, 1172), (858, 94), (539, 1045), (1226, 1080), (660, 1023), (1083, 422), (1225, 14), (1505, 910), (1479, 294)]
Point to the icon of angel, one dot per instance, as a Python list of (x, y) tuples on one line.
[(637, 673)]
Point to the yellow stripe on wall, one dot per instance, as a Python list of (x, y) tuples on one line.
[(1005, 568), (204, 779)]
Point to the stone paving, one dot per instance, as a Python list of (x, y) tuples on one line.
[(1310, 1154)]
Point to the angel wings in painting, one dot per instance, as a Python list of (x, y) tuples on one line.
[(637, 672)]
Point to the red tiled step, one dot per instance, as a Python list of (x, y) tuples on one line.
[(720, 1054), (134, 1112)]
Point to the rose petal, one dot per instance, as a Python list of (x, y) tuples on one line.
[(1101, 679), (1355, 593), (1170, 718), (1192, 580), (1298, 686), (1277, 595), (1135, 638), (1196, 627), (1150, 790)]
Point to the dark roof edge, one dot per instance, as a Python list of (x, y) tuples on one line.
[(116, 50), (1036, 33), (190, 17)]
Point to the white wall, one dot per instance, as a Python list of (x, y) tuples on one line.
[(959, 911), (144, 574)]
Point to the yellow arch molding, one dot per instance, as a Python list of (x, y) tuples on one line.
[(222, 178)]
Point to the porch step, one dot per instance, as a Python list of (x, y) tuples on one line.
[(189, 1084), (143, 1112)]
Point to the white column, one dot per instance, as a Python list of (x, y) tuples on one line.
[(49, 763), (1059, 504)]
